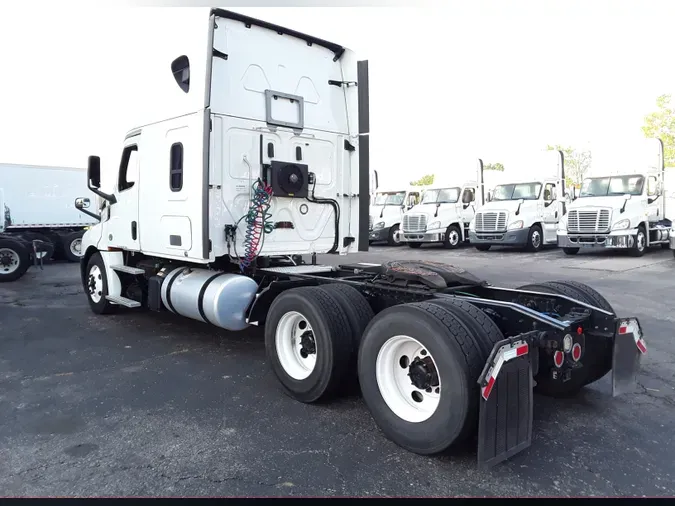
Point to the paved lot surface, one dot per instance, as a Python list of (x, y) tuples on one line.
[(144, 404)]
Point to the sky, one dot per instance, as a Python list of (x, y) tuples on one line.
[(449, 81)]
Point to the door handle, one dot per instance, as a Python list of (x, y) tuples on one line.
[(134, 228)]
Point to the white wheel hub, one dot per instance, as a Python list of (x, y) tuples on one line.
[(453, 237), (296, 345), (9, 261), (408, 379), (76, 247), (95, 284)]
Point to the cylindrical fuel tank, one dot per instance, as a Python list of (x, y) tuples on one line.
[(218, 298)]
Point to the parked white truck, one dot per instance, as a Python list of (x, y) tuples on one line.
[(387, 211), (442, 215), (39, 205), (18, 253), (524, 212), (620, 210), (265, 167)]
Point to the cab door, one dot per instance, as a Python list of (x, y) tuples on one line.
[(550, 212), (122, 227)]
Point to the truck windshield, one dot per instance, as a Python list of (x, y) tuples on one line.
[(389, 198), (441, 196), (526, 191), (613, 185)]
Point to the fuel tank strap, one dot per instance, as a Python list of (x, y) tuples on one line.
[(200, 298), (168, 289)]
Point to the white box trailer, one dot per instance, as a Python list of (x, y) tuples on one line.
[(39, 204)]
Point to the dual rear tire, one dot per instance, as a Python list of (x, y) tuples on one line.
[(417, 364)]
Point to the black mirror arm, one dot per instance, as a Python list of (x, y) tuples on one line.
[(89, 213), (109, 198)]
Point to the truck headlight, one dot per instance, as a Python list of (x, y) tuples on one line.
[(435, 224), (516, 225), (378, 225), (621, 225)]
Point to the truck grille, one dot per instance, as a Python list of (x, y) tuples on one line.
[(491, 221), (588, 221), (414, 223)]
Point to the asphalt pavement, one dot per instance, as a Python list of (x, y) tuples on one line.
[(143, 404)]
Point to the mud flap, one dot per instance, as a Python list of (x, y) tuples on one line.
[(629, 346), (505, 404)]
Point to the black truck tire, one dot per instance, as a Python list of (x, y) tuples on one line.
[(484, 330), (328, 338), (482, 247), (535, 239), (14, 260), (70, 245), (597, 352), (640, 246), (453, 237), (448, 349), (414, 244), (356, 307), (391, 238), (96, 286), (570, 251)]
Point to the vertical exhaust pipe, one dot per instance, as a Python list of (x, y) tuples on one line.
[(364, 153)]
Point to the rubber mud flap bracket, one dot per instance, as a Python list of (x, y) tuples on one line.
[(629, 346), (505, 404)]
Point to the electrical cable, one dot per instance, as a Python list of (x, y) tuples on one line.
[(258, 223)]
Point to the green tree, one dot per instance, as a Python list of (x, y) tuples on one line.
[(423, 181), (661, 124), (577, 164), (494, 166)]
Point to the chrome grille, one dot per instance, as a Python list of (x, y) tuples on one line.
[(491, 221), (593, 221), (414, 223)]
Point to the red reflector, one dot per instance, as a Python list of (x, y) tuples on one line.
[(641, 346), (522, 350), (576, 352), (488, 388), (558, 358), (623, 329), (580, 330)]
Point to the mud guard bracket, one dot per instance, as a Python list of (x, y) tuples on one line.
[(505, 403), (629, 346)]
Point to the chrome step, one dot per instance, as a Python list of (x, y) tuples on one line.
[(123, 301), (127, 269), (299, 269)]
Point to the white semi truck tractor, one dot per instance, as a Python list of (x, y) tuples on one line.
[(623, 210), (218, 214), (524, 212), (386, 213), (442, 215)]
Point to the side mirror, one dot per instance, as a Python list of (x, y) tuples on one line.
[(180, 68), (94, 172), (575, 195), (82, 203)]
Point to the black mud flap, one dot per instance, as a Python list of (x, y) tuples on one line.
[(505, 416), (629, 346)]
